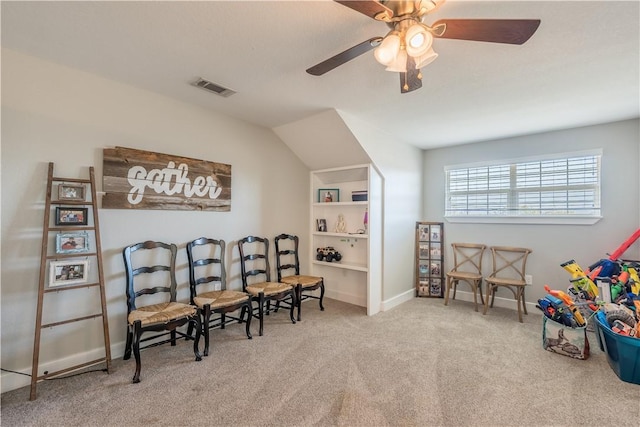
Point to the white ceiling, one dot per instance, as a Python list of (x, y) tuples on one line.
[(581, 67)]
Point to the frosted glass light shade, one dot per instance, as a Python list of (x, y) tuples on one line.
[(388, 49), (426, 59), (399, 65), (418, 40)]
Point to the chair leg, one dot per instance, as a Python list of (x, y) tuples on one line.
[(524, 306), (196, 342), (173, 338), (244, 310), (480, 291), (189, 331), (298, 291), (486, 301), (447, 287), (205, 327), (223, 320), (321, 295), (127, 348), (293, 305), (474, 288), (261, 312), (137, 332), (248, 326)]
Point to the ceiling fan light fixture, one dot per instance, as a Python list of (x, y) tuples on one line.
[(418, 40), (426, 59), (426, 6), (388, 50), (399, 64)]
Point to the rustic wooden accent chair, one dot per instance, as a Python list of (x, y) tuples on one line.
[(287, 259), (206, 269), (509, 269), (467, 260), (154, 270), (254, 264)]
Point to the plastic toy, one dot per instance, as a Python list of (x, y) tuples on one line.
[(328, 254), (580, 281), (568, 301)]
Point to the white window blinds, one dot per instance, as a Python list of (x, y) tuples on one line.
[(565, 186)]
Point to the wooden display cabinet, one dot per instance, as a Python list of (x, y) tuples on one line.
[(430, 259)]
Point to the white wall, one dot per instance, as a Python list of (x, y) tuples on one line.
[(401, 167), (551, 244), (57, 114)]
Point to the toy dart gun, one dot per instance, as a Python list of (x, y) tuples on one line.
[(582, 283), (559, 307)]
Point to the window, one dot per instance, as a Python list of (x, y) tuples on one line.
[(565, 186)]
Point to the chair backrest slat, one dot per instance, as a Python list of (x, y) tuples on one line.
[(287, 258), (156, 254), (253, 249), (213, 255), (509, 262)]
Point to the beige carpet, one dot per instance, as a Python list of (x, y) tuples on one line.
[(420, 364)]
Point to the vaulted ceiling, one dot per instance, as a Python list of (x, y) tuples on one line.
[(581, 67)]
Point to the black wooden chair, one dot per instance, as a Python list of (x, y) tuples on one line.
[(206, 269), (154, 270), (254, 263), (287, 258)]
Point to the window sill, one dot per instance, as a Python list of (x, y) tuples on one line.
[(562, 220)]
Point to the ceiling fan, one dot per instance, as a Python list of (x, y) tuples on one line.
[(408, 46)]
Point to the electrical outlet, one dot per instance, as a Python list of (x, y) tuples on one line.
[(528, 279)]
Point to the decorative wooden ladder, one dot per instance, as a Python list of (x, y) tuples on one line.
[(46, 258)]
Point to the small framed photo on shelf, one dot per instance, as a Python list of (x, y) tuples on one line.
[(435, 287), (62, 273), (423, 269), (328, 195), (71, 216), (69, 243), (321, 224), (71, 192), (435, 268)]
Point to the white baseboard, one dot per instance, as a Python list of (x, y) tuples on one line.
[(348, 298), (11, 381), (398, 299)]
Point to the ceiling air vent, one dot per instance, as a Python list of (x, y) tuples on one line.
[(212, 87)]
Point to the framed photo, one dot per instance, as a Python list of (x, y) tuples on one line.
[(71, 216), (328, 195), (435, 287), (63, 273), (69, 243), (435, 268), (436, 235), (71, 192), (424, 232), (321, 224), (424, 250)]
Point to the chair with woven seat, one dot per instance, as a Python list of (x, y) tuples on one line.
[(287, 259), (254, 264), (207, 269), (154, 271), (509, 270), (467, 260)]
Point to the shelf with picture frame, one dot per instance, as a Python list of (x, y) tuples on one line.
[(71, 259), (429, 249), (341, 217)]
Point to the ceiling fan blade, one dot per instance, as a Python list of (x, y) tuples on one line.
[(412, 79), (342, 57), (371, 8), (511, 31)]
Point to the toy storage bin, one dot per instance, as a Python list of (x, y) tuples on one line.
[(561, 339), (623, 352)]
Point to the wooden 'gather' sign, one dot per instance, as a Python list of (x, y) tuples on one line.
[(136, 179)]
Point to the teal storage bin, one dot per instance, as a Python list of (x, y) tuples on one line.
[(623, 352)]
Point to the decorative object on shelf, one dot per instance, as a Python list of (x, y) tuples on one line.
[(71, 216), (341, 225), (71, 192), (136, 179), (321, 224), (328, 195), (63, 273), (366, 220), (69, 243), (359, 196), (328, 254), (429, 260)]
